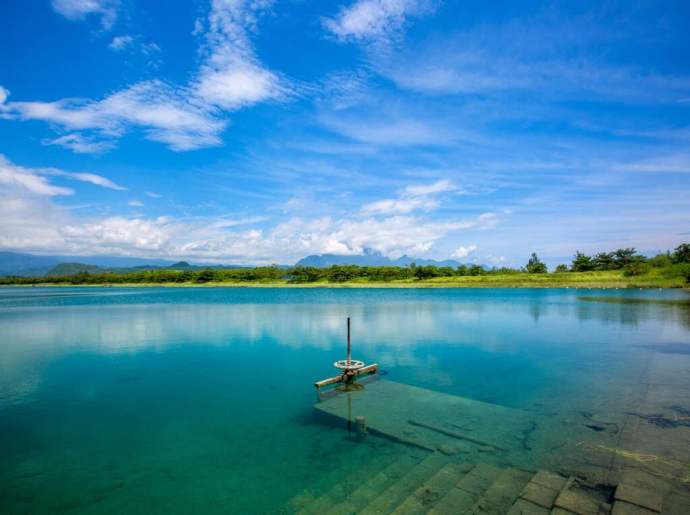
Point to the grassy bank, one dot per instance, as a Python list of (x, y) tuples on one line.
[(603, 279)]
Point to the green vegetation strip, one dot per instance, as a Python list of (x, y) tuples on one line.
[(623, 268)]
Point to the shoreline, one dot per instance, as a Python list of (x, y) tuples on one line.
[(584, 285)]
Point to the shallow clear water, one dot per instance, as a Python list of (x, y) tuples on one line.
[(164, 400)]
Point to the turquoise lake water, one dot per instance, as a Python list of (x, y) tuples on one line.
[(199, 400)]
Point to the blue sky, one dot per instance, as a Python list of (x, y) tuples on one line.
[(261, 131)]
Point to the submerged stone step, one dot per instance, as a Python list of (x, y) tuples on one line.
[(313, 502), (581, 498), (502, 493), (372, 488), (466, 492), (390, 499), (431, 491), (639, 497)]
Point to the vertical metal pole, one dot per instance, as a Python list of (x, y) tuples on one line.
[(348, 340)]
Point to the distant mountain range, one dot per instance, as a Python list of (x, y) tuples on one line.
[(14, 263), (73, 268), (369, 258)]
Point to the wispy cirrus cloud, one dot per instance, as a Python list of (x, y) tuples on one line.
[(675, 163), (512, 57), (29, 180), (343, 89), (394, 128), (36, 181), (79, 144), (87, 177)]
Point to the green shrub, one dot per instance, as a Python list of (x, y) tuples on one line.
[(678, 271), (634, 269)]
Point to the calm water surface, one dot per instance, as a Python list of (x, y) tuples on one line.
[(164, 400)]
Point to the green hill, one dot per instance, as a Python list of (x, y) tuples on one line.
[(73, 268), (183, 265)]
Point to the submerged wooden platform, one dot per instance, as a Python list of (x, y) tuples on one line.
[(431, 420)]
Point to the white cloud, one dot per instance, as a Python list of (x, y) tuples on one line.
[(29, 180), (227, 242), (677, 163), (78, 144), (3, 95), (35, 180), (495, 260), (153, 195), (88, 177), (346, 88), (29, 223), (511, 58), (119, 43), (398, 130), (182, 117), (370, 20), (150, 48), (221, 239), (120, 234), (402, 205), (430, 189), (198, 27), (232, 76), (78, 10), (412, 198), (463, 252), (237, 87), (164, 112), (461, 72)]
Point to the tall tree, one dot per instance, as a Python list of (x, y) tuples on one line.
[(623, 257), (603, 261), (582, 263), (535, 266), (682, 253)]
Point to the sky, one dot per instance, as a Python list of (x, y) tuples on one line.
[(262, 131)]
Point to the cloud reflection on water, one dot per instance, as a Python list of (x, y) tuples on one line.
[(432, 335)]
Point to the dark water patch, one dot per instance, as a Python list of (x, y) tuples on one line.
[(664, 421), (680, 410)]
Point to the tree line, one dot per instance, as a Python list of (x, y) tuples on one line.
[(628, 260), (676, 263)]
